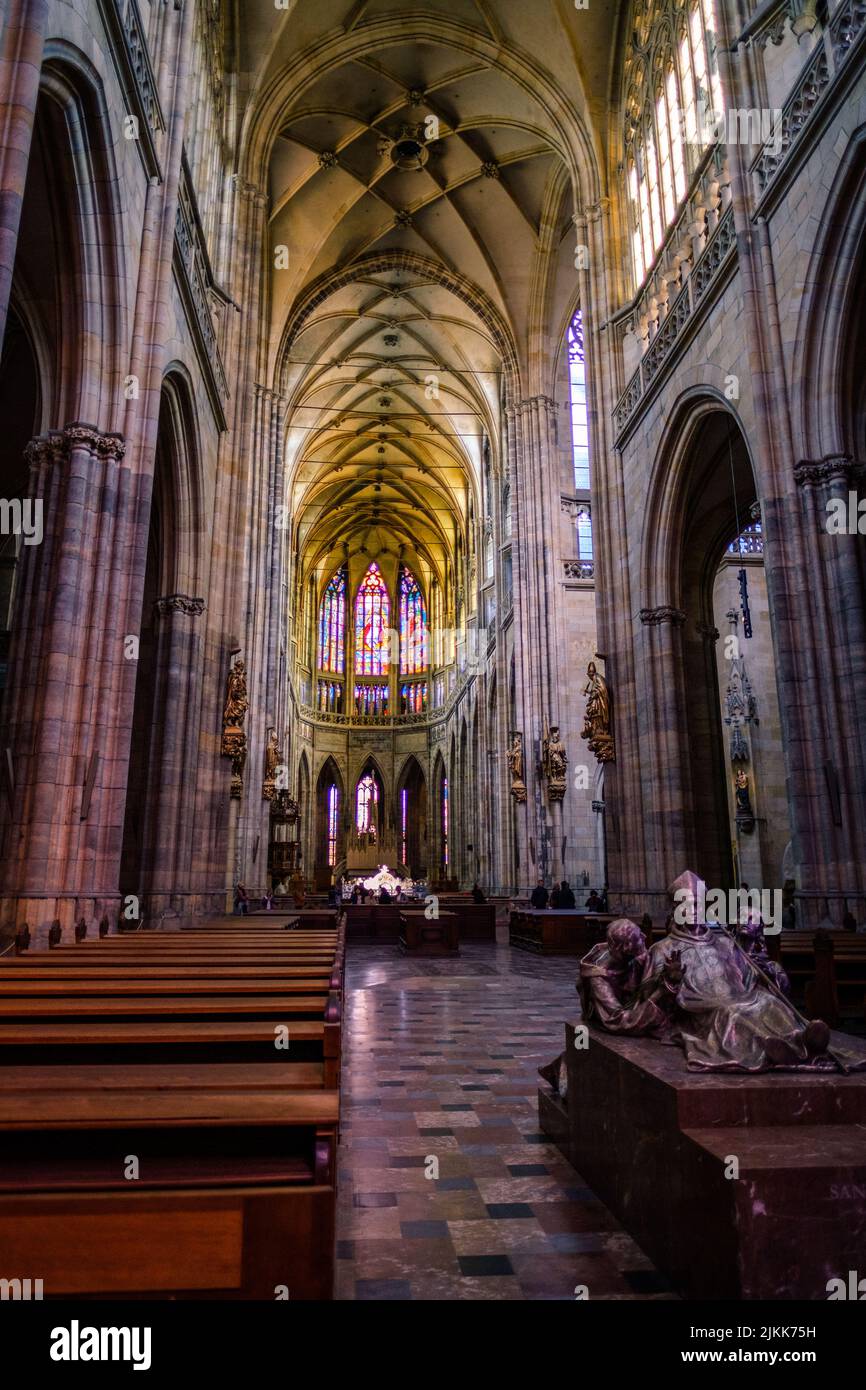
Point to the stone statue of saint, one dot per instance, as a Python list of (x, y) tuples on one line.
[(237, 702), (234, 740), (597, 723), (272, 756), (515, 764), (554, 761)]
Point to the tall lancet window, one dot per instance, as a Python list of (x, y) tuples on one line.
[(366, 801), (413, 625), (579, 421), (332, 625), (372, 619), (333, 822), (673, 105)]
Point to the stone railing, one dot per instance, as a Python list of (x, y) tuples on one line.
[(695, 223), (838, 40), (704, 275), (196, 283), (578, 569), (354, 721), (129, 51)]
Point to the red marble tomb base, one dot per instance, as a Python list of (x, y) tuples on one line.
[(655, 1141)]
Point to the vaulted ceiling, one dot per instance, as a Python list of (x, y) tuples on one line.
[(424, 163)]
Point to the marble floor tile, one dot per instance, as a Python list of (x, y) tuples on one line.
[(448, 1190)]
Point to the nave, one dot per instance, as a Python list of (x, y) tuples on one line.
[(440, 1060)]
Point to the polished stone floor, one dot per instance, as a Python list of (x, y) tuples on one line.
[(447, 1188)]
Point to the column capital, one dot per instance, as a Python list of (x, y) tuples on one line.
[(831, 468), (666, 613), (179, 603), (80, 435)]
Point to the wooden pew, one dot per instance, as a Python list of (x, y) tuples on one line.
[(475, 921), (234, 1198), (433, 936), (557, 931), (139, 1046)]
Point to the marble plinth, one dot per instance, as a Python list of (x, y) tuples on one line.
[(657, 1142)]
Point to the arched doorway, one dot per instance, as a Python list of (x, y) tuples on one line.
[(20, 407), (330, 837), (412, 819), (718, 759)]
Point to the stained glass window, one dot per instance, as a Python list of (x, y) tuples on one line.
[(404, 824), (332, 624), (579, 421), (333, 810), (367, 798), (371, 699), (749, 542), (413, 625), (413, 697), (372, 618), (330, 697), (674, 101), (445, 821), (584, 533)]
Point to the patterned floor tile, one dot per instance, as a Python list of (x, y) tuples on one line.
[(448, 1190)]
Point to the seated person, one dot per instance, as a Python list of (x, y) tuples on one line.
[(594, 902), (477, 895), (566, 896), (384, 895), (539, 895), (555, 896)]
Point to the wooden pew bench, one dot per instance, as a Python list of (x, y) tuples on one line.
[(235, 1194), (433, 936)]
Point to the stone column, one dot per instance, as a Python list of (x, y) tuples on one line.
[(669, 842), (828, 784), (63, 810), (21, 47), (168, 869), (539, 682)]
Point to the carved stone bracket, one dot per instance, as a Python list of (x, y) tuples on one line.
[(832, 468), (666, 613), (179, 603), (56, 445)]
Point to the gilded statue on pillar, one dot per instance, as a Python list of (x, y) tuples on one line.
[(515, 765), (234, 740), (745, 817), (554, 761), (597, 729), (273, 758)]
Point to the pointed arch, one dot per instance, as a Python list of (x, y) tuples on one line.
[(413, 624), (411, 817), (372, 623), (332, 623), (330, 822)]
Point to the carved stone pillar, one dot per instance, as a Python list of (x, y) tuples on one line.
[(669, 839), (825, 717), (22, 41), (539, 681), (168, 857), (69, 695)]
